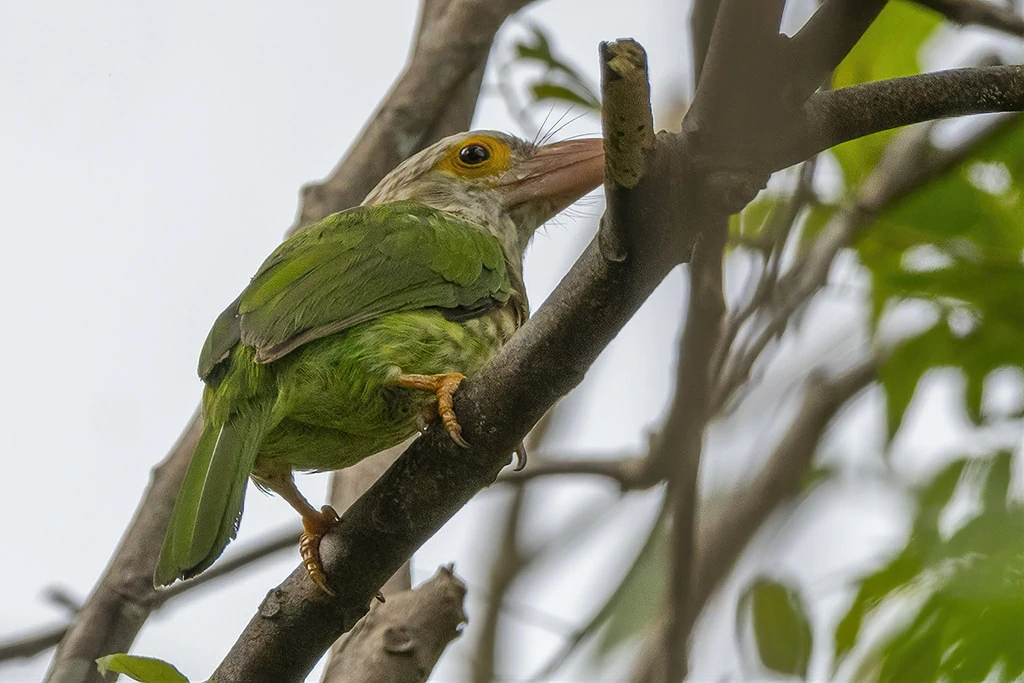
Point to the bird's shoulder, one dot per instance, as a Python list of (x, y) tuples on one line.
[(356, 265)]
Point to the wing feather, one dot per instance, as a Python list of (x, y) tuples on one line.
[(355, 266)]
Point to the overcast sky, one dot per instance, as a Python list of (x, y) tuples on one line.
[(150, 157)]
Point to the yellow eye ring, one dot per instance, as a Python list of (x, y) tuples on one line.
[(478, 156)]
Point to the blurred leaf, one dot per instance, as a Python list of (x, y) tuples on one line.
[(873, 590), (972, 615), (889, 48), (817, 218), (818, 475), (933, 498), (144, 669), (904, 368), (550, 91), (781, 628), (538, 49), (750, 224), (561, 81), (637, 600), (958, 246)]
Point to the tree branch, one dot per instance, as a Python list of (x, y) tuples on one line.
[(822, 43), (702, 24), (631, 473), (837, 116), (438, 83), (123, 599), (725, 535), (447, 57), (28, 646), (402, 639), (508, 564), (980, 13), (700, 337)]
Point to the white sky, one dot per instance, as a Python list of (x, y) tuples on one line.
[(150, 157)]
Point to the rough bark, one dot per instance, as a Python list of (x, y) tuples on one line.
[(400, 641)]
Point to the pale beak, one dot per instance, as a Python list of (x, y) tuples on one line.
[(555, 175)]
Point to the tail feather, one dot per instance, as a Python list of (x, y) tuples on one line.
[(209, 504)]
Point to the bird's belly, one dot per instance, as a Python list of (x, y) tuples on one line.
[(337, 402)]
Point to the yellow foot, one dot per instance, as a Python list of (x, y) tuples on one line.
[(442, 386), (316, 525)]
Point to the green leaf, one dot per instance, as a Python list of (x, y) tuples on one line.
[(817, 218), (902, 371), (561, 82), (874, 588), (545, 90), (972, 584), (144, 669), (933, 498), (540, 50), (975, 279), (781, 628), (751, 223), (888, 49), (637, 601)]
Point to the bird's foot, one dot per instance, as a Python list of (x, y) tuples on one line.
[(316, 524), (443, 386)]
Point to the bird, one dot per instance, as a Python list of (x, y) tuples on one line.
[(356, 332)]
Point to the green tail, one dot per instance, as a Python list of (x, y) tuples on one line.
[(209, 504)]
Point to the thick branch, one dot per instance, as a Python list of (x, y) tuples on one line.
[(346, 487), (822, 43), (702, 23), (837, 116)]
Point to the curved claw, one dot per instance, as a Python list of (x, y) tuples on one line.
[(309, 545), (520, 456), (443, 386)]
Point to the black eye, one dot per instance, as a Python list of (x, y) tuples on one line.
[(474, 154)]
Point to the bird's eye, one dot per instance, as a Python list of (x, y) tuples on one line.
[(474, 154)]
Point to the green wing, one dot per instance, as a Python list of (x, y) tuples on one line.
[(355, 266)]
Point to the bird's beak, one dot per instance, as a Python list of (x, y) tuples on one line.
[(555, 175)]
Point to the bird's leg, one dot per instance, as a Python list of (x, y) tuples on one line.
[(315, 522), (442, 386)]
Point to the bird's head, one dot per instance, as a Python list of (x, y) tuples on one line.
[(496, 180)]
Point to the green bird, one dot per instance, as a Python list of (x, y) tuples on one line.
[(360, 325)]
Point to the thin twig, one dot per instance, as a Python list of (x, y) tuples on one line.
[(581, 634), (31, 645), (909, 163)]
